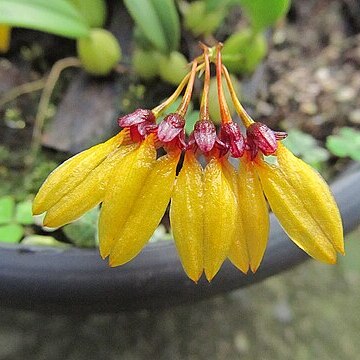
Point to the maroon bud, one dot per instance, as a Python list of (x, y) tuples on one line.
[(232, 137), (259, 136), (136, 117), (145, 128), (171, 127), (205, 135)]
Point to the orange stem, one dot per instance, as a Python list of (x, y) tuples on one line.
[(204, 107), (160, 108), (244, 116), (188, 92), (224, 109)]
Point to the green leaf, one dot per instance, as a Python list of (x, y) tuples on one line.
[(43, 240), (146, 18), (347, 143), (169, 19), (306, 147), (173, 68), (11, 233), (93, 11), (23, 213), (173, 107), (244, 50), (213, 5), (7, 208), (264, 13), (83, 232), (191, 119), (58, 17)]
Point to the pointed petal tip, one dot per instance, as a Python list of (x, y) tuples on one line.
[(51, 223), (210, 274), (340, 248), (36, 209), (195, 277), (103, 254), (113, 263), (46, 223), (330, 259), (37, 212)]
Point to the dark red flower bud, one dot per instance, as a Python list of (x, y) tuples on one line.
[(171, 127), (136, 117), (205, 135), (260, 137), (232, 137)]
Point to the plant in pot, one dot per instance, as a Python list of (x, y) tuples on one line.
[(70, 278)]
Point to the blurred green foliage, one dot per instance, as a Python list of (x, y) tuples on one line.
[(83, 232), (345, 144), (13, 218)]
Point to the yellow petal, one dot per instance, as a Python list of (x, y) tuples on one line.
[(302, 202), (5, 34), (187, 216), (123, 192), (253, 222), (72, 172), (88, 193), (146, 212), (220, 213)]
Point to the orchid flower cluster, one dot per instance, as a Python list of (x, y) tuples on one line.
[(217, 210)]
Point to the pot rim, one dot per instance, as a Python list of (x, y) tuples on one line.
[(79, 281)]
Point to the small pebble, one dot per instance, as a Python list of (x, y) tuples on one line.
[(309, 108), (283, 312), (345, 94)]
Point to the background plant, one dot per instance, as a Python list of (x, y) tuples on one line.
[(345, 144), (98, 50)]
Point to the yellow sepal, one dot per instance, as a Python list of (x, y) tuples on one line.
[(146, 211), (5, 36), (187, 216), (71, 173), (220, 213), (123, 192), (253, 221), (302, 202), (89, 193)]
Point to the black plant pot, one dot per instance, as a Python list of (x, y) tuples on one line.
[(78, 280)]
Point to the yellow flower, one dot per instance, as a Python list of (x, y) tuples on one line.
[(304, 205), (253, 220), (297, 195), (135, 203), (79, 183), (203, 214), (216, 211), (124, 175)]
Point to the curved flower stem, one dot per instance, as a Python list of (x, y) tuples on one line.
[(21, 90), (160, 108), (204, 107), (53, 77), (244, 116), (224, 109), (188, 92)]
